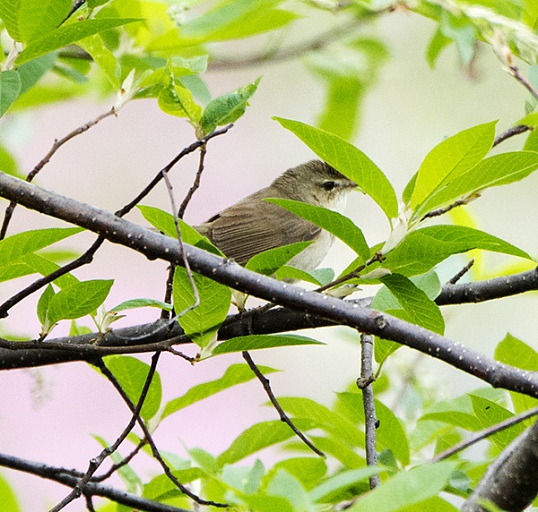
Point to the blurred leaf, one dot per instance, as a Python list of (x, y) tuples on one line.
[(78, 300), (8, 497), (32, 71), (424, 248), (411, 487), (349, 160), (202, 322), (461, 30), (339, 225), (234, 375), (10, 87), (437, 43), (287, 486), (262, 341), (228, 108), (68, 34), (132, 373), (342, 481)]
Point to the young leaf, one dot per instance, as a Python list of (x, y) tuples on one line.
[(43, 307), (15, 247), (269, 261), (228, 108), (10, 87), (201, 322), (68, 34), (141, 303), (411, 487), (234, 375), (78, 300), (319, 276), (339, 225), (131, 373), (262, 341), (342, 481), (177, 100), (421, 310), (424, 248), (350, 161), (492, 172), (451, 158)]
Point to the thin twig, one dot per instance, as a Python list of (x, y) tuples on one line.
[(45, 160), (354, 273), (513, 130), (461, 273), (78, 490), (196, 183), (483, 434), (283, 416), (123, 462), (442, 211), (514, 71), (154, 450), (364, 383)]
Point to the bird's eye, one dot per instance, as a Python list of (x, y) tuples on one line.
[(328, 185)]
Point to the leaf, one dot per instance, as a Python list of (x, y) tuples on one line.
[(68, 34), (259, 436), (32, 71), (262, 341), (43, 306), (451, 158), (10, 87), (420, 309), (269, 261), (515, 352), (8, 497), (15, 247), (424, 248), (287, 486), (342, 481), (350, 161), (410, 487), (141, 303), (132, 373), (228, 108), (492, 172), (200, 323), (339, 225), (391, 434), (78, 300), (26, 20), (177, 100), (234, 375)]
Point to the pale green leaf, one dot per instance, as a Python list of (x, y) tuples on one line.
[(514, 352), (141, 303), (8, 498), (451, 158), (234, 375), (43, 306), (177, 100), (10, 87), (262, 341), (132, 373), (410, 487), (342, 481), (350, 161)]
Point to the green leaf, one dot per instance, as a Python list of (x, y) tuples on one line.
[(132, 373), (234, 375), (258, 437), (228, 108), (202, 322), (78, 300), (492, 172), (462, 31), (261, 503), (330, 421), (287, 486), (269, 261), (420, 309), (349, 160), (424, 248), (68, 34), (32, 71), (391, 434), (339, 225), (411, 487), (452, 158), (43, 306), (308, 470), (342, 481), (514, 352), (26, 20), (42, 265), (141, 303), (8, 497), (177, 100), (262, 341), (458, 412), (436, 44), (15, 247), (10, 87)]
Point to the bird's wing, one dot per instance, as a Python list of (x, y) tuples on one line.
[(237, 235)]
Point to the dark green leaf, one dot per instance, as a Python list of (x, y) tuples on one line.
[(269, 261)]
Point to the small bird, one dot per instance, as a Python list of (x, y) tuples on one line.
[(253, 225)]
